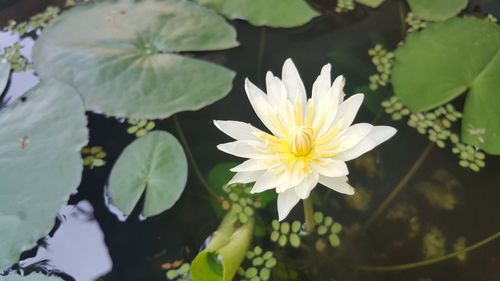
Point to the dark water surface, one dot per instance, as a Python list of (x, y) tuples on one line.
[(91, 241)]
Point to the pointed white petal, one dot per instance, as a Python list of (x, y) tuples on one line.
[(276, 91), (245, 149), (251, 165), (348, 109), (267, 181), (264, 110), (245, 177), (293, 83), (306, 186), (323, 83), (237, 130), (338, 184), (377, 135), (327, 107), (332, 168), (353, 135), (286, 201)]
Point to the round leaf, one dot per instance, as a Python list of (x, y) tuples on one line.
[(30, 277), (445, 60), (436, 10), (4, 75), (155, 165), (124, 58), (274, 13), (40, 141)]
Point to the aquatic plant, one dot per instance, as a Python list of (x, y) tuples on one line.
[(262, 262), (310, 139), (286, 233), (13, 56), (93, 156), (140, 127)]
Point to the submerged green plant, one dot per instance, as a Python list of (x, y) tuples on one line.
[(434, 243), (262, 262), (140, 127), (383, 61), (286, 233), (93, 156), (182, 273), (460, 245)]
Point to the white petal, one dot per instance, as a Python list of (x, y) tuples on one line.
[(245, 177), (377, 135), (286, 201), (354, 135), (332, 168), (348, 109), (293, 83), (276, 91), (323, 83), (265, 182), (338, 184), (250, 165), (306, 186), (237, 130), (245, 149), (328, 106), (266, 113)]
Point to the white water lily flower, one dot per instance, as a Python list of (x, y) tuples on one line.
[(309, 139)]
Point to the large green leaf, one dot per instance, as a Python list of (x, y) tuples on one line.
[(40, 140), (274, 13), (4, 75), (444, 61), (125, 59), (154, 164), (436, 10), (226, 251), (31, 277)]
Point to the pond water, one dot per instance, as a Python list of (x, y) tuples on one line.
[(90, 242)]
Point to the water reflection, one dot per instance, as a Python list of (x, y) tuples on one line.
[(77, 247)]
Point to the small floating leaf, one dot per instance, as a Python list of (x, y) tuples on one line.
[(155, 165), (223, 256), (125, 58), (40, 141), (430, 70), (436, 10), (274, 13)]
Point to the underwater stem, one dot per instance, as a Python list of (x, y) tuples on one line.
[(429, 261), (400, 186), (192, 161), (309, 214)]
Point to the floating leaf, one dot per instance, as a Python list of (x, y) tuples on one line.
[(371, 3), (155, 165), (274, 13), (31, 277), (226, 251), (447, 59), (40, 141), (4, 75), (436, 10), (124, 58)]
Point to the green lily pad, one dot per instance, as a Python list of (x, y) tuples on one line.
[(371, 3), (444, 61), (226, 251), (436, 10), (31, 277), (124, 58), (4, 75), (155, 165), (273, 13), (40, 140)]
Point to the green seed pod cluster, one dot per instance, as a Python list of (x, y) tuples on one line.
[(261, 265), (383, 61), (326, 227), (182, 273), (286, 233), (344, 6), (38, 21), (469, 157), (140, 127), (395, 108), (93, 157), (414, 23), (13, 56), (491, 18)]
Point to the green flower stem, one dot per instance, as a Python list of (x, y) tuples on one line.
[(400, 186), (192, 160), (309, 215), (429, 261)]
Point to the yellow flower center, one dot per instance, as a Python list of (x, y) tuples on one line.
[(301, 140)]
